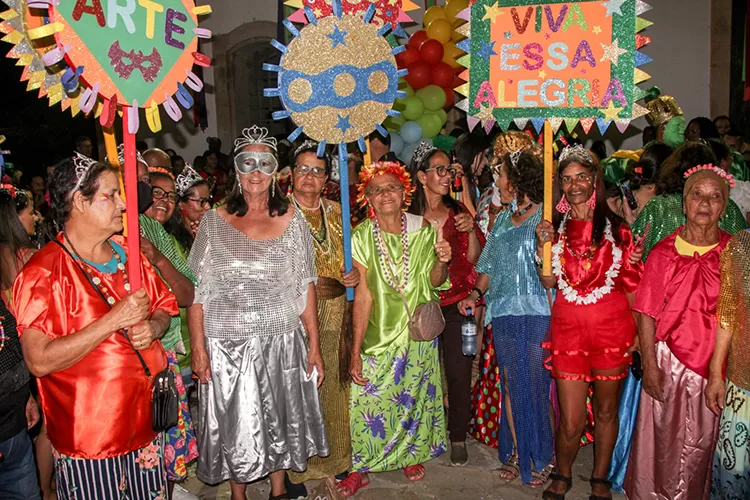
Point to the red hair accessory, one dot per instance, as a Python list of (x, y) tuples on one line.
[(9, 188), (728, 178), (161, 170), (397, 170), (638, 170)]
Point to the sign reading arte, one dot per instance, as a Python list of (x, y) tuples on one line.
[(559, 60)]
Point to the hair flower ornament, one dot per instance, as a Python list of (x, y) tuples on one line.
[(728, 178)]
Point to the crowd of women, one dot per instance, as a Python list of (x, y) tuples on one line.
[(295, 383)]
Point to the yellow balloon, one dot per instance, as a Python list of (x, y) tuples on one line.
[(451, 53), (440, 30), (433, 13), (453, 8)]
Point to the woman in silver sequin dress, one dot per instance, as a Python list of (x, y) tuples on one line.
[(254, 330)]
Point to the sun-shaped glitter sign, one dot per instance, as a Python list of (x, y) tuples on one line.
[(337, 77), (389, 12)]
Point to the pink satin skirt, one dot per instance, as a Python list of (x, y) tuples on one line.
[(674, 440)]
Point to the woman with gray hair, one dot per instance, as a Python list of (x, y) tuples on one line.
[(254, 330)]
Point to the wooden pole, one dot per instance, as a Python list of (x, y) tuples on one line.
[(548, 160), (131, 204), (110, 145)]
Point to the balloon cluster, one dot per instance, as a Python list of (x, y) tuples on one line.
[(430, 58)]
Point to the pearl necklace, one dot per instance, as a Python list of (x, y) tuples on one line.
[(567, 289), (319, 237), (386, 264)]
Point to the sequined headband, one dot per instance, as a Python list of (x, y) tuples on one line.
[(308, 145), (423, 149), (82, 164), (187, 179), (575, 151), (255, 135), (8, 188), (161, 170), (728, 178)]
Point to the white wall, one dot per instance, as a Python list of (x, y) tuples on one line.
[(680, 49)]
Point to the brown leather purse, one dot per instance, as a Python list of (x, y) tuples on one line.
[(427, 322)]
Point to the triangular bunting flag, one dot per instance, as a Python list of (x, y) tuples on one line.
[(555, 124), (538, 123), (464, 29), (464, 45), (463, 89), (520, 122), (298, 17), (408, 5), (622, 125), (464, 61), (641, 59), (297, 4), (471, 122), (640, 76), (641, 24), (638, 93), (488, 126), (464, 75), (603, 125), (641, 40), (570, 124), (587, 123), (463, 105), (403, 17), (464, 14), (639, 111), (641, 7)]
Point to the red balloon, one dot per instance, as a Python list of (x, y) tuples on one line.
[(431, 51), (449, 98), (419, 74), (442, 74), (417, 39), (408, 56)]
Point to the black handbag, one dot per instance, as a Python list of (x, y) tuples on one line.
[(164, 404)]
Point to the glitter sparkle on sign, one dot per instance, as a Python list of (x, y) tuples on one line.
[(487, 50), (337, 37), (343, 124), (613, 7), (491, 12), (612, 52), (610, 112)]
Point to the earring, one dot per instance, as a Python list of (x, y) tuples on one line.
[(563, 206), (289, 189), (514, 205), (239, 182), (591, 202)]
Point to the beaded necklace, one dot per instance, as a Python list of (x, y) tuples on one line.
[(525, 209), (95, 279), (3, 337), (386, 264), (586, 256), (321, 236)]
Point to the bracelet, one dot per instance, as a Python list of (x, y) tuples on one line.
[(538, 260), (480, 292)]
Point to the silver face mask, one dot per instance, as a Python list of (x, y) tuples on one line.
[(247, 162)]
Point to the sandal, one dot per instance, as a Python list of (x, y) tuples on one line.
[(414, 473), (541, 478), (548, 495), (327, 489), (353, 482), (283, 496), (512, 468), (605, 482)]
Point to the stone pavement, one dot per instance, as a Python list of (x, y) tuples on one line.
[(478, 480)]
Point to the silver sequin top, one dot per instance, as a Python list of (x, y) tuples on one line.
[(251, 288)]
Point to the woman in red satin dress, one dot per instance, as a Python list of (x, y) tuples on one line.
[(94, 391), (592, 328)]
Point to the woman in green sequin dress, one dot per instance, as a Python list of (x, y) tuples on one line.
[(396, 409)]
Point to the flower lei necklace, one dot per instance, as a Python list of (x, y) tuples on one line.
[(386, 264), (568, 290)]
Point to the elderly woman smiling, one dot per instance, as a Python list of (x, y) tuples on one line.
[(676, 433)]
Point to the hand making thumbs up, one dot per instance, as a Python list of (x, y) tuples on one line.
[(442, 247)]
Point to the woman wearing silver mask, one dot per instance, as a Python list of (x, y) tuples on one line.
[(254, 305)]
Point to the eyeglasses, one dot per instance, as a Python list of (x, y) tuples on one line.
[(160, 194), (442, 170), (390, 188), (307, 169), (582, 177), (203, 202)]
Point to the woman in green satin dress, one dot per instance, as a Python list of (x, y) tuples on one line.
[(396, 406)]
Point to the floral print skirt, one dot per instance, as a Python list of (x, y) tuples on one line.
[(397, 419), (180, 446), (139, 474), (731, 464)]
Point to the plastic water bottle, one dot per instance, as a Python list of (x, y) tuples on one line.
[(469, 335)]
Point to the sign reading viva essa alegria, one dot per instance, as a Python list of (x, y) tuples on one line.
[(561, 60), (136, 50)]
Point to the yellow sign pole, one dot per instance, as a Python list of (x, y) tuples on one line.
[(548, 179)]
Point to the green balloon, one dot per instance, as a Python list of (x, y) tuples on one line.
[(440, 113), (413, 108), (393, 123), (430, 124), (432, 96), (402, 85)]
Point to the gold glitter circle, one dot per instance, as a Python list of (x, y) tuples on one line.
[(378, 82), (300, 90), (344, 84)]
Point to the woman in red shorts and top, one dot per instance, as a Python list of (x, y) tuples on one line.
[(592, 328)]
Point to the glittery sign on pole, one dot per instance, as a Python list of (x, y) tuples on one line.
[(338, 79), (558, 59)]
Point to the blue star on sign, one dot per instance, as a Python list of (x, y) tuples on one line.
[(343, 124), (337, 37), (487, 50)]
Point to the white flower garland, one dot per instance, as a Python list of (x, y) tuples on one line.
[(570, 293)]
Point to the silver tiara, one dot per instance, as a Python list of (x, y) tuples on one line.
[(187, 179), (255, 135), (576, 151), (423, 149), (121, 155), (83, 164), (514, 156), (308, 145)]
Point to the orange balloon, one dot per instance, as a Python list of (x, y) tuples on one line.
[(451, 53), (453, 8), (440, 30), (433, 13)]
